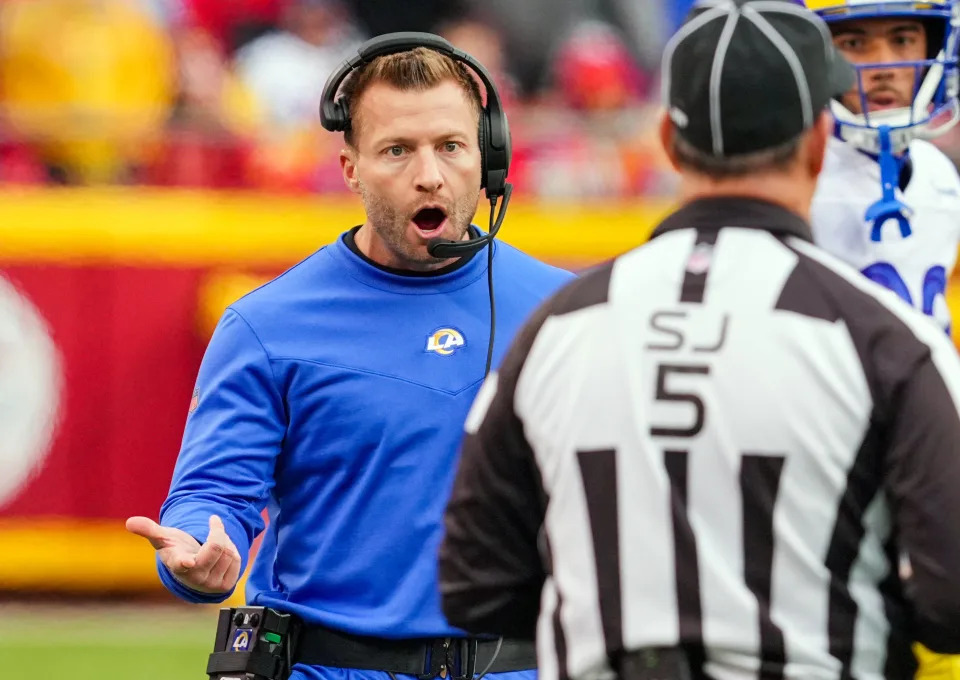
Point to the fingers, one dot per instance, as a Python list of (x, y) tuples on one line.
[(229, 563), (179, 562), (175, 548), (232, 575), (217, 559), (219, 577), (213, 567), (218, 534), (206, 559), (162, 538), (148, 529), (217, 544)]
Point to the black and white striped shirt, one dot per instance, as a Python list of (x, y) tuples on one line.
[(724, 439)]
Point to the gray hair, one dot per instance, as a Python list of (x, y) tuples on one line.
[(776, 158)]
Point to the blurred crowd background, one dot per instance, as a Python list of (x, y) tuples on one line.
[(159, 159), (222, 94)]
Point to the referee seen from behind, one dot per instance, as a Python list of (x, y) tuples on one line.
[(708, 458)]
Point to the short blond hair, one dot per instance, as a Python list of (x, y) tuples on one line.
[(417, 69)]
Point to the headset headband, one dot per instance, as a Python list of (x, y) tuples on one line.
[(393, 43)]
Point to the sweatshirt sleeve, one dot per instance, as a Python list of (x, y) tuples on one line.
[(232, 437)]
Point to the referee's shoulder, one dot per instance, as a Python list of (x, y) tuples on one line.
[(592, 287)]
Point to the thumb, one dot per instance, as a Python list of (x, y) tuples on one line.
[(218, 535), (148, 529), (216, 526)]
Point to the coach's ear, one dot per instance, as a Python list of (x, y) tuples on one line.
[(348, 164), (667, 132)]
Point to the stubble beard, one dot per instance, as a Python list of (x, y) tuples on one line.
[(390, 225)]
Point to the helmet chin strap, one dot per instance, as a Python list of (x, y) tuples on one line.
[(853, 128), (888, 207)]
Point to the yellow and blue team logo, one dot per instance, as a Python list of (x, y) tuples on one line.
[(241, 640), (445, 341)]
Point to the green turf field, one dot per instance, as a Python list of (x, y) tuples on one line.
[(102, 642)]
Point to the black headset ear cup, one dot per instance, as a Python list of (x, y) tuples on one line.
[(495, 162), (343, 114), (509, 145), (482, 137)]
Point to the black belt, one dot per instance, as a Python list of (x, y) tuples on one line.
[(662, 663), (424, 658)]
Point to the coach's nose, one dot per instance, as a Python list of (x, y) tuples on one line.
[(429, 179)]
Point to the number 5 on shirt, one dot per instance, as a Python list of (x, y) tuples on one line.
[(759, 481)]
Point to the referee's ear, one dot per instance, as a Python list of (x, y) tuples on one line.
[(817, 139), (667, 131)]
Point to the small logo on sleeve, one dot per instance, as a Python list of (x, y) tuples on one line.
[(445, 341)]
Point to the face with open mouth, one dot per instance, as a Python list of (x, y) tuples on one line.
[(429, 221), (882, 41), (417, 168), (406, 232)]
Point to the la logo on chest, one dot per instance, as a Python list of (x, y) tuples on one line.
[(445, 341)]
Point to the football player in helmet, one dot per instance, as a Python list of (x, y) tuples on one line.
[(888, 201)]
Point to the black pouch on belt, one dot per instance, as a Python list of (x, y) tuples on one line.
[(253, 643)]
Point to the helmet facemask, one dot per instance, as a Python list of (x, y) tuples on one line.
[(934, 107)]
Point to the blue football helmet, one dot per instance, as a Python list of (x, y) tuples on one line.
[(935, 107)]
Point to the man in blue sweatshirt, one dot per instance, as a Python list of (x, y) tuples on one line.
[(335, 395)]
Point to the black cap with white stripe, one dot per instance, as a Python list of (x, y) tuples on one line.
[(746, 75)]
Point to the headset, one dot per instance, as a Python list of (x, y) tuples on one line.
[(494, 133), (493, 136)]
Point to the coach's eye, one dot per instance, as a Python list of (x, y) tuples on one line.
[(451, 147), (396, 151)]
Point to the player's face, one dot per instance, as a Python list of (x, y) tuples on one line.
[(417, 167), (882, 41)]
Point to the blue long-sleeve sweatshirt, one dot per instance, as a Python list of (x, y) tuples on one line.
[(335, 396)]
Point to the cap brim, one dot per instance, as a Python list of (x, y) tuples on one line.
[(842, 75)]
